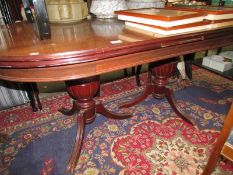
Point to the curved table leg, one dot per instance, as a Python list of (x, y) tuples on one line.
[(162, 73), (102, 110), (78, 142), (69, 112), (171, 100), (149, 89), (157, 86), (83, 92)]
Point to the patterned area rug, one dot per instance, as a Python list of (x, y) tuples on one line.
[(154, 141)]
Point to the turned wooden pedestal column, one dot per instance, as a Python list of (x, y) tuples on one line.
[(161, 72), (83, 92)]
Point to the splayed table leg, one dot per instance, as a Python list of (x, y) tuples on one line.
[(157, 87), (83, 92)]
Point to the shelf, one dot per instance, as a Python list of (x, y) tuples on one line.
[(227, 74)]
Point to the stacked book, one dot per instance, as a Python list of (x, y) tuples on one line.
[(172, 20), (218, 16)]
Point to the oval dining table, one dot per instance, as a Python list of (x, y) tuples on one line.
[(79, 53)]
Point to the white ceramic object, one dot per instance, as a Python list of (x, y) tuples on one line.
[(136, 4), (217, 62), (106, 8)]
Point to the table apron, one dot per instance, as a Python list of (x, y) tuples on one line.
[(82, 70)]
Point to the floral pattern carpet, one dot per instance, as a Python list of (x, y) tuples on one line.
[(154, 141)]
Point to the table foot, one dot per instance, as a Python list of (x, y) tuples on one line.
[(171, 101), (78, 142), (68, 112)]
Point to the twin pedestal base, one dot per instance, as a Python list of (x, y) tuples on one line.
[(84, 90)]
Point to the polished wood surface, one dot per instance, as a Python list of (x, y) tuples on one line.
[(85, 49)]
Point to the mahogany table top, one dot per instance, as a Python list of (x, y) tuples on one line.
[(91, 47)]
